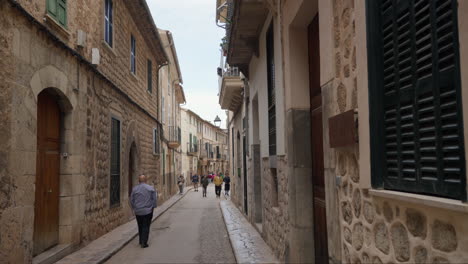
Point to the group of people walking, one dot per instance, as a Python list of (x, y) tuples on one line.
[(218, 181), (143, 199)]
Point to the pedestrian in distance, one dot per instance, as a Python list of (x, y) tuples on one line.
[(218, 181), (227, 185), (205, 183), (180, 183), (195, 180), (143, 200)]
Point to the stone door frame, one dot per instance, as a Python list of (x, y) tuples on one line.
[(71, 213)]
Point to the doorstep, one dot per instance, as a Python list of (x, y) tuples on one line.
[(101, 249), (247, 244), (54, 254)]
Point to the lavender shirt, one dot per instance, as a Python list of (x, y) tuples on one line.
[(143, 199)]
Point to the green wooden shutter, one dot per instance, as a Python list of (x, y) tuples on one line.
[(115, 163), (52, 8), (415, 96), (190, 146), (62, 12), (58, 10)]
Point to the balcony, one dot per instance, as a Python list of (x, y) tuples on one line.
[(192, 150), (174, 137), (230, 94)]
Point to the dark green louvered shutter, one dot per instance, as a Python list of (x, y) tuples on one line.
[(414, 80), (190, 146), (115, 163), (58, 10)]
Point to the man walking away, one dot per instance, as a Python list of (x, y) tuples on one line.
[(143, 200), (227, 185), (195, 180), (218, 181), (204, 183), (180, 183)]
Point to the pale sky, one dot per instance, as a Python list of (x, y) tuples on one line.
[(197, 39)]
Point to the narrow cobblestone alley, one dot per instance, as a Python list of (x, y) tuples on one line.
[(193, 231)]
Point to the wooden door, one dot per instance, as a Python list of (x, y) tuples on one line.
[(318, 180), (46, 210)]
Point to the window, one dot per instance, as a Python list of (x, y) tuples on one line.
[(190, 146), (164, 166), (150, 76), (132, 54), (415, 99), (162, 109), (155, 141), (57, 9), (115, 163), (108, 22), (271, 92)]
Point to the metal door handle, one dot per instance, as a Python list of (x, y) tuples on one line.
[(50, 191)]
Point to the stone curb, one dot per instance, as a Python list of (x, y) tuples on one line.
[(247, 244), (103, 248)]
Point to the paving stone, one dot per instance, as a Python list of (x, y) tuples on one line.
[(104, 247), (247, 243)]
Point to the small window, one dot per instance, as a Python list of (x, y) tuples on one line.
[(132, 54), (155, 141), (58, 10), (164, 166), (162, 109), (271, 92), (190, 139), (109, 24), (150, 76), (115, 163)]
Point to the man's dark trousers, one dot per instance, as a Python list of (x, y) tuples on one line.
[(218, 190), (144, 222)]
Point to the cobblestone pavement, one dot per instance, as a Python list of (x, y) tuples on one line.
[(247, 243), (104, 247), (192, 231)]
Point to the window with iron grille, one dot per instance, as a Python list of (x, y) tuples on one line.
[(414, 96), (150, 76), (115, 163), (108, 22), (132, 54), (271, 92), (57, 9)]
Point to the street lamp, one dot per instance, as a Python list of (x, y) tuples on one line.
[(217, 121)]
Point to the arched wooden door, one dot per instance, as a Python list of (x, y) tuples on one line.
[(46, 209)]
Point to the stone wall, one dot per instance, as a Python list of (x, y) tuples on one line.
[(88, 16), (374, 229), (32, 61), (275, 214)]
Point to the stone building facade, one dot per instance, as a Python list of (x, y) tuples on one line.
[(320, 197), (204, 146), (170, 98), (107, 112)]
